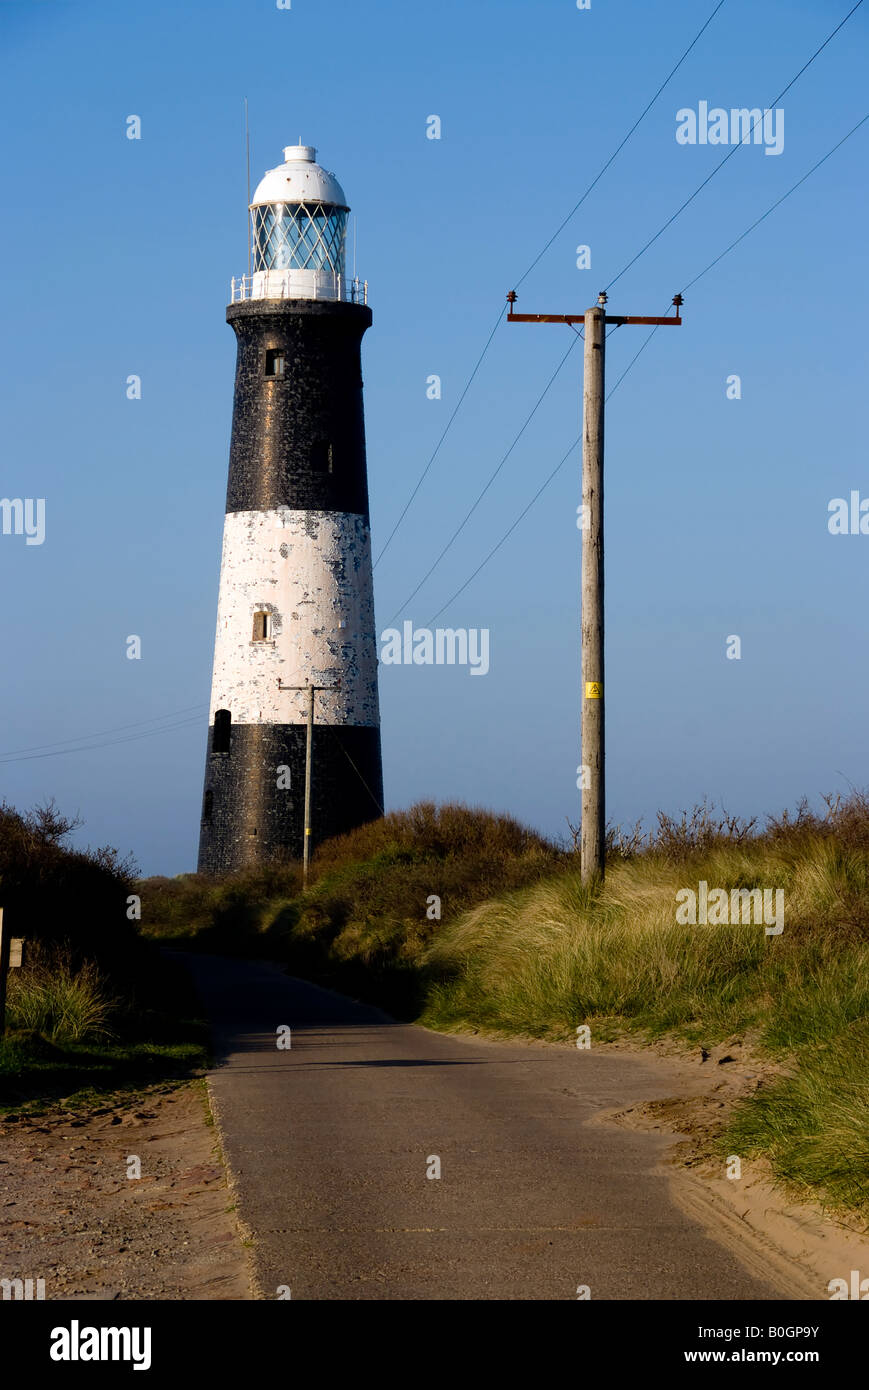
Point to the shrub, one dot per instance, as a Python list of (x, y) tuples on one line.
[(51, 893), (59, 1000)]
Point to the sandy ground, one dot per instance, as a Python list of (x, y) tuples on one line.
[(766, 1228), (70, 1215)]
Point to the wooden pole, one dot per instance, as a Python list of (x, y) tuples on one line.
[(309, 740), (593, 828), (592, 843), (4, 972), (309, 744)]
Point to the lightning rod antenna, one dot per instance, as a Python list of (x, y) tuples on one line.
[(247, 152)]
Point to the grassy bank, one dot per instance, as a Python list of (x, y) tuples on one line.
[(522, 948), (546, 960), (95, 1007), (71, 1035), (367, 919)]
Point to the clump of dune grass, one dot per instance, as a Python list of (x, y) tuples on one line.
[(813, 1125), (558, 954), (59, 999)]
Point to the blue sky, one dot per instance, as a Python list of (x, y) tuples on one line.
[(118, 256)]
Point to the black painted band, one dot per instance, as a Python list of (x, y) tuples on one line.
[(247, 818), (298, 436)]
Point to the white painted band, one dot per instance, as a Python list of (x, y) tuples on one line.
[(310, 571)]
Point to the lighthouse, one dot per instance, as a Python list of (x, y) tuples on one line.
[(294, 705)]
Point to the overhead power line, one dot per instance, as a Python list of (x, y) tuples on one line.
[(543, 486), (639, 352), (424, 473), (59, 750), (777, 203), (699, 189), (507, 534), (558, 467), (616, 152), (361, 778), (492, 477)]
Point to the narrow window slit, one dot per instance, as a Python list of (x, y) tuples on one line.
[(262, 627), (222, 727)]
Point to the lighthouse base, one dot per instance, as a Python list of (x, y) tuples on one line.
[(254, 802)]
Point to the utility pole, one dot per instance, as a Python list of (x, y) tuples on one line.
[(309, 747), (593, 818), (592, 727)]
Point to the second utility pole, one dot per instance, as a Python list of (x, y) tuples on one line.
[(309, 754), (309, 758), (592, 843)]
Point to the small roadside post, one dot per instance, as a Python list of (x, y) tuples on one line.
[(4, 970)]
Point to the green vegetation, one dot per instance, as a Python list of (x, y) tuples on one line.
[(523, 948), (95, 1006), (73, 1035), (362, 926), (467, 920), (53, 998), (542, 961)]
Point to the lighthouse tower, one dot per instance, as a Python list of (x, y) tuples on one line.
[(296, 643)]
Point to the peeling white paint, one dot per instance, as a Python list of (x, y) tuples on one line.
[(311, 571)]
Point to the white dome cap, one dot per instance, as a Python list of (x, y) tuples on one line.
[(299, 180)]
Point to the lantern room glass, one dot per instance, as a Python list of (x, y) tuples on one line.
[(299, 236)]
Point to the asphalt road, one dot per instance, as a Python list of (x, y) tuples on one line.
[(329, 1143)]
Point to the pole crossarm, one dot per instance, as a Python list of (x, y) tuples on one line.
[(545, 318), (636, 318), (619, 319)]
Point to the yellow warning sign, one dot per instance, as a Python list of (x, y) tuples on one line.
[(594, 690)]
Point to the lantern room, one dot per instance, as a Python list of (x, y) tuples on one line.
[(298, 231)]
